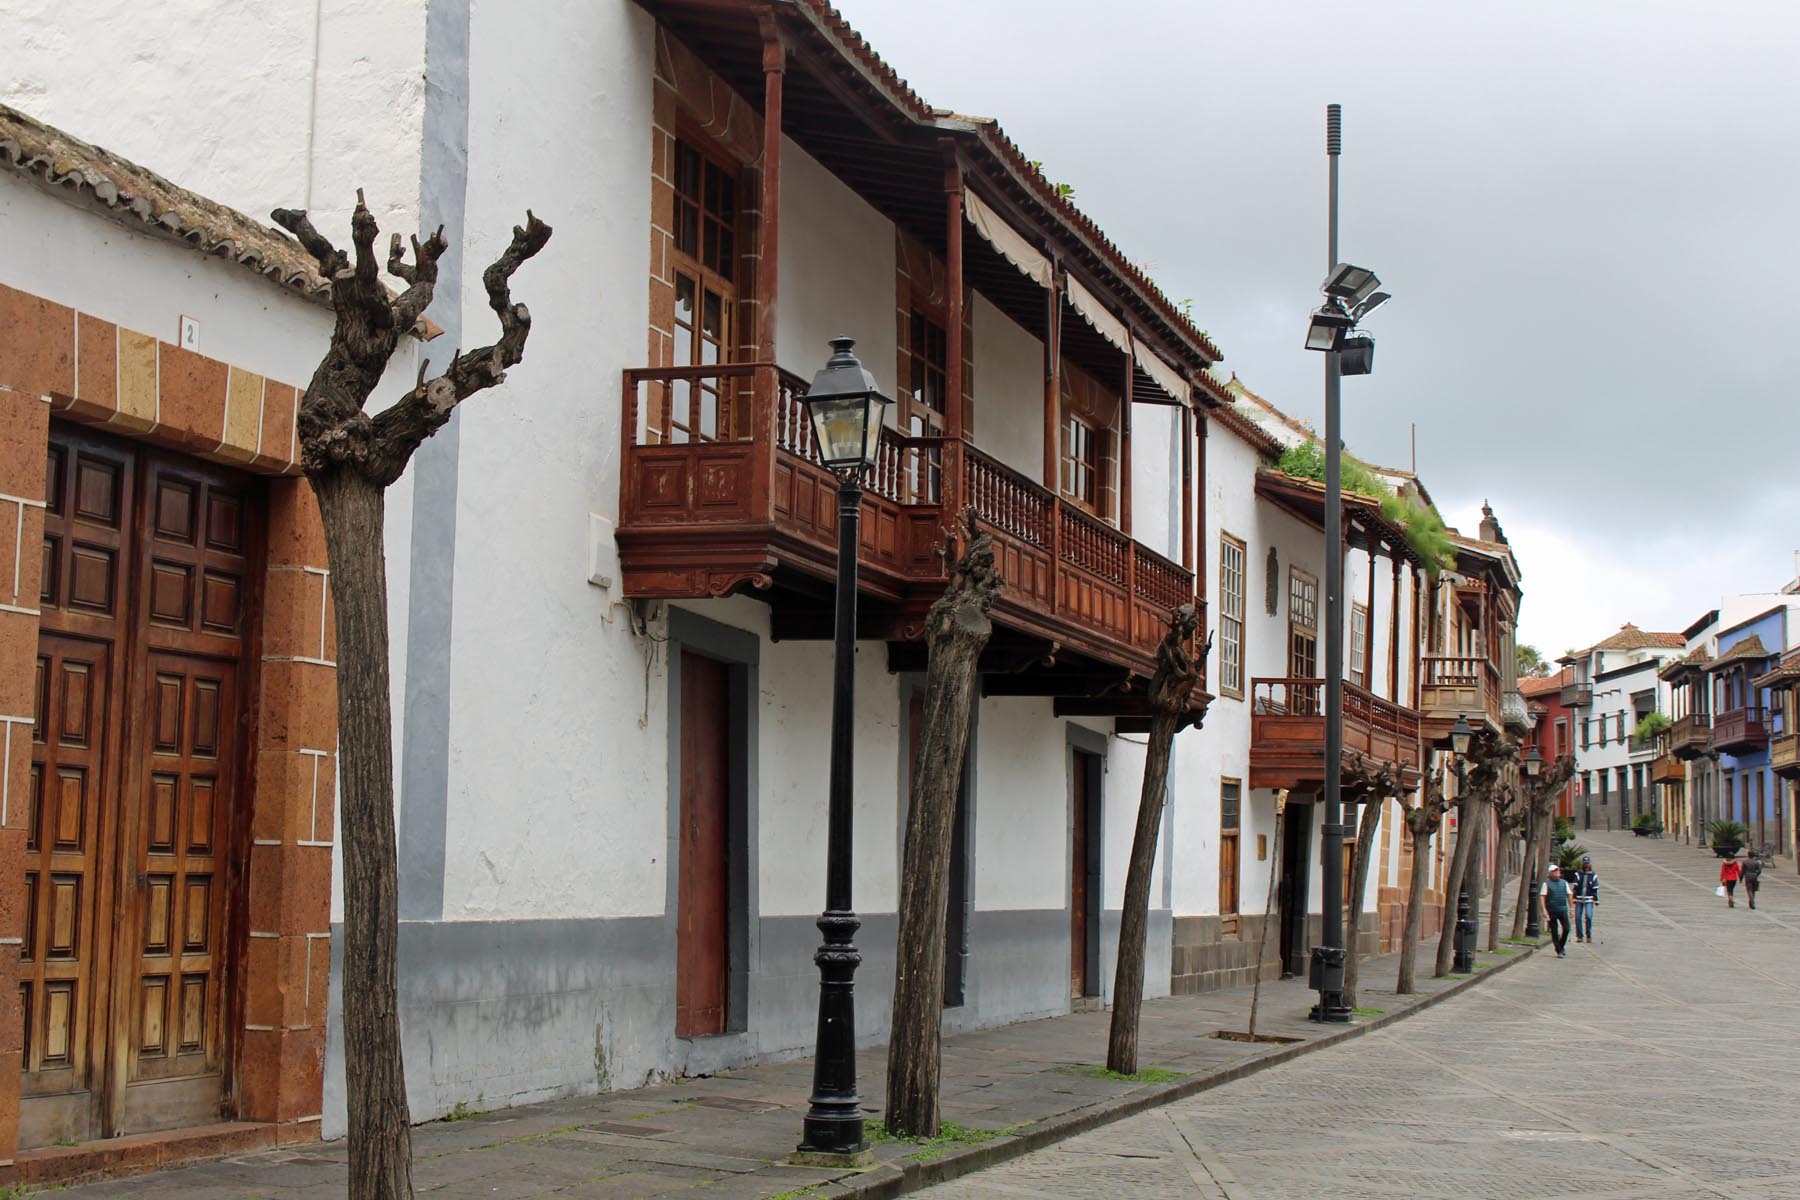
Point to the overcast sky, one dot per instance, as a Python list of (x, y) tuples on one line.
[(1586, 212)]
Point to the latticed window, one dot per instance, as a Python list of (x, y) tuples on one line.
[(705, 269), (1303, 624), (1081, 463), (1359, 646), (1231, 615)]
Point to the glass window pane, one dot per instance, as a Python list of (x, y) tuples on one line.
[(713, 319), (687, 170)]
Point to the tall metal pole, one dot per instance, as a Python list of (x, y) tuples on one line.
[(834, 1122), (1328, 958)]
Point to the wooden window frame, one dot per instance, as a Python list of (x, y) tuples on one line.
[(1231, 922), (1073, 464), (1227, 618), (1359, 646), (729, 401), (1303, 618)]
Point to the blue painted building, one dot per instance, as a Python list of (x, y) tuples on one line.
[(1744, 723)]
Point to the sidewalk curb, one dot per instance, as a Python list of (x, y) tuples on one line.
[(898, 1179)]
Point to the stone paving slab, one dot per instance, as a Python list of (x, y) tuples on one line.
[(1657, 1063), (1015, 1088)]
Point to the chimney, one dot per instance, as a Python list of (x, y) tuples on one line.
[(1490, 528)]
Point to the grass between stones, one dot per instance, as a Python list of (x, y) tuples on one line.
[(951, 1136), (1368, 1012)]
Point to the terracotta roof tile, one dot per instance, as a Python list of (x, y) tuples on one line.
[(1533, 686), (1748, 650), (1786, 673), (1630, 637)]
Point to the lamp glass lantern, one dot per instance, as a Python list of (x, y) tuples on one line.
[(1460, 736), (847, 411), (1327, 328), (1534, 763)]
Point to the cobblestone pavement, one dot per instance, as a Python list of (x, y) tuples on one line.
[(1657, 1063)]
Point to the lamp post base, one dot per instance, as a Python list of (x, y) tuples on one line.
[(1464, 960), (834, 1117), (1326, 976)]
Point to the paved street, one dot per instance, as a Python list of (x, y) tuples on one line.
[(1658, 1063)]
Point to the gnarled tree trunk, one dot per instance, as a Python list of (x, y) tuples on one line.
[(350, 458), (1366, 829), (1176, 674), (956, 630), (1262, 946), (1421, 823), (1453, 880)]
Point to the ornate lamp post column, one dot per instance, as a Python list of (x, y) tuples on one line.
[(1464, 961), (846, 410), (1534, 766)]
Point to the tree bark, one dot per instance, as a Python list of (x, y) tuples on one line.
[(1466, 809), (374, 1075), (350, 458), (956, 629), (1262, 948), (1368, 825), (1420, 835), (1176, 675)]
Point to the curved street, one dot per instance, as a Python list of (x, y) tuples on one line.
[(1657, 1063)]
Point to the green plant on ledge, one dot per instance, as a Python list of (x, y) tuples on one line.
[(1421, 523), (1649, 726)]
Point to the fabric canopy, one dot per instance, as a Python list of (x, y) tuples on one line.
[(1095, 314), (1167, 378), (1002, 237)]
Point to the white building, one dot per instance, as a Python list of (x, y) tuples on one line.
[(1616, 681)]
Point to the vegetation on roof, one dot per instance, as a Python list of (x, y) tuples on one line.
[(1421, 523)]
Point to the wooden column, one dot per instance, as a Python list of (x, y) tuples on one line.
[(1199, 563), (1125, 448), (769, 236), (1369, 623), (1394, 635), (1053, 379), (954, 415), (1417, 647)]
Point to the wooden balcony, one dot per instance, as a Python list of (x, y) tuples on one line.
[(1457, 687), (721, 492), (1691, 736), (1577, 695), (1287, 733), (1784, 755), (1741, 730), (1666, 768)]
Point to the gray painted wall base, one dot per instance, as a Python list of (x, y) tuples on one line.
[(501, 1013)]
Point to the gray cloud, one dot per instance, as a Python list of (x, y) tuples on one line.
[(1585, 212)]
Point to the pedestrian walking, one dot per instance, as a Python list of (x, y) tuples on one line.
[(1752, 871), (1586, 886), (1555, 893), (1729, 874)]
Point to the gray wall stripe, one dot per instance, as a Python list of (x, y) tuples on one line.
[(425, 739)]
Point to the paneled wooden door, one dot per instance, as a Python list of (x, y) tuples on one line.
[(1084, 872), (132, 847), (702, 903)]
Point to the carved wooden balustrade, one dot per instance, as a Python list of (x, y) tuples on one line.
[(1287, 733), (721, 488), (1458, 686), (1741, 730), (1691, 736)]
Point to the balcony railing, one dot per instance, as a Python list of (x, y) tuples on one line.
[(1450, 687), (1784, 755), (1691, 736), (722, 457), (1287, 731), (1741, 730), (1666, 768), (1577, 695)]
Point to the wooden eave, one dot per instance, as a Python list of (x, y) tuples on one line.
[(847, 109), (1364, 526)]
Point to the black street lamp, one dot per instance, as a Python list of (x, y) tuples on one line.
[(846, 410), (1534, 767), (1464, 942)]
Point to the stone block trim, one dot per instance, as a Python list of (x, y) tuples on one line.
[(56, 362)]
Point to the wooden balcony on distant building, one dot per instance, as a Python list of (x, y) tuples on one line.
[(1691, 736), (1457, 687), (721, 492), (1577, 695), (1666, 768), (1287, 734), (1784, 755), (1741, 730)]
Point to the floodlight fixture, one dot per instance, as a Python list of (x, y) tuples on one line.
[(1351, 283), (1328, 325), (1356, 355), (1370, 305)]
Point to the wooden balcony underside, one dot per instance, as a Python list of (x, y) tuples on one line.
[(1784, 755), (705, 515), (1690, 736), (1452, 687), (1741, 731), (1287, 734)]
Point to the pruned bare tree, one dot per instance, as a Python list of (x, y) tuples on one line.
[(1422, 821), (957, 628), (1262, 945), (351, 457), (1371, 789), (1488, 752), (1538, 804), (1177, 672)]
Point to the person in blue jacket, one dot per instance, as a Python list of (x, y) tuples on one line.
[(1586, 886)]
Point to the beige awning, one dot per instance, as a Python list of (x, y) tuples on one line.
[(1004, 238), (1095, 314), (1167, 377)]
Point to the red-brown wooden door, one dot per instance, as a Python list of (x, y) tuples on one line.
[(146, 619), (1080, 870), (703, 868)]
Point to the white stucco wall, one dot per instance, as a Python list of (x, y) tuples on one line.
[(1021, 813), (256, 105), (1009, 390), (550, 813), (837, 272)]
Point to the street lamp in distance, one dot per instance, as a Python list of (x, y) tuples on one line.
[(1534, 767), (847, 411), (1460, 736)]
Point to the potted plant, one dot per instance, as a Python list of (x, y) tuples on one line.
[(1646, 824), (1568, 856), (1727, 837), (1648, 727), (1561, 830)]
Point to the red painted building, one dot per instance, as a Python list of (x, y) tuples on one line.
[(1553, 732)]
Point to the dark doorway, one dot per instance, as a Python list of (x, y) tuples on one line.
[(956, 916), (1296, 882), (703, 905), (1084, 873)]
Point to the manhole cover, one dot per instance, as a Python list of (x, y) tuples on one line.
[(735, 1104)]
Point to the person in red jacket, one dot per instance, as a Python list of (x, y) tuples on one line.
[(1729, 874)]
